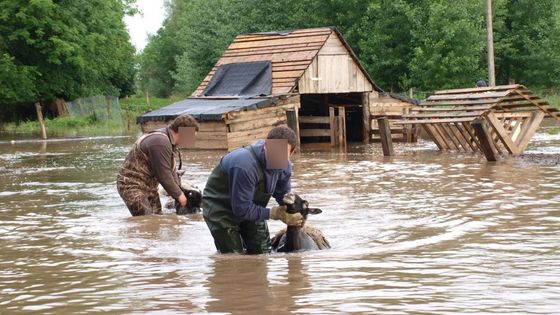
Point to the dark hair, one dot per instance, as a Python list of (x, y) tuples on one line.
[(183, 121), (283, 132), (481, 83)]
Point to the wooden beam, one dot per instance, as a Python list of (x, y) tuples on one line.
[(469, 128), (503, 135), (385, 134), (314, 120), (42, 130), (487, 145), (315, 133), (342, 127), (450, 135), (292, 121), (467, 137), (366, 118), (529, 130), (552, 114), (435, 137), (333, 127)]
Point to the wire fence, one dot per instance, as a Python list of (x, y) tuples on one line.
[(100, 108)]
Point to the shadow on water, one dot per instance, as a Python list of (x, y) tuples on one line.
[(421, 232)]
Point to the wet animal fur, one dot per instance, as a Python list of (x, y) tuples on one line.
[(293, 238), (194, 201)]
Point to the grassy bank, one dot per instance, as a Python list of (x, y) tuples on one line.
[(130, 108)]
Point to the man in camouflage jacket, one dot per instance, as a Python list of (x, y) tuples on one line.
[(150, 162)]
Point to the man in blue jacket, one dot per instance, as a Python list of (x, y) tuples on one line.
[(238, 190)]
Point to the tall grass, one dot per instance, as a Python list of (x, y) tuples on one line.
[(131, 108)]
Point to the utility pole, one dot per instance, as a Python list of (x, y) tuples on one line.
[(490, 44)]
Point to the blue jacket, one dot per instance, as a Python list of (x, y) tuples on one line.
[(243, 175)]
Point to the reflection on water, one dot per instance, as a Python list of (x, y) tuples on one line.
[(421, 232)]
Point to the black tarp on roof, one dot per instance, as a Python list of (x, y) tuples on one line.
[(204, 109), (243, 79)]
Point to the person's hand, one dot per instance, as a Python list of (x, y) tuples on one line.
[(182, 200), (280, 213)]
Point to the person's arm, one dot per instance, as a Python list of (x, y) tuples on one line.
[(242, 186), (161, 161)]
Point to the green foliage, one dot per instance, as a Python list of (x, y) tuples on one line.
[(67, 48)]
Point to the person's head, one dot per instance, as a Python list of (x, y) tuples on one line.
[(481, 83), (184, 128), (280, 145), (284, 132), (183, 121)]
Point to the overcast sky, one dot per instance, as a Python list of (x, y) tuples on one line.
[(148, 22)]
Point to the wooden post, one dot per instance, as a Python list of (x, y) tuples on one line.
[(342, 127), (128, 113), (148, 101), (366, 119), (385, 135), (410, 93), (43, 131), (332, 123), (292, 120), (490, 44), (486, 143)]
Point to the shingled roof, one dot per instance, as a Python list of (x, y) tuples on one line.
[(290, 53)]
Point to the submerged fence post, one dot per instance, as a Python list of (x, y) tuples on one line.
[(43, 131), (385, 135)]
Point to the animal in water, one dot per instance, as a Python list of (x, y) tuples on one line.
[(194, 201), (295, 238)]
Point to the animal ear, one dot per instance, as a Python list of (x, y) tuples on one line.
[(314, 210)]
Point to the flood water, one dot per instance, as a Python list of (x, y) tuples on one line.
[(423, 232)]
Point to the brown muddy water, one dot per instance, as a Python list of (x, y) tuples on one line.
[(419, 233)]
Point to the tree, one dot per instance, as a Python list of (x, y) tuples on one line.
[(68, 49)]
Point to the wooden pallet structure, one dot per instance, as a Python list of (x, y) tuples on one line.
[(495, 120)]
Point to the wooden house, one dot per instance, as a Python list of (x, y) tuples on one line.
[(309, 79), (492, 120)]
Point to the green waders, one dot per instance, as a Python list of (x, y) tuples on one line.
[(232, 234)]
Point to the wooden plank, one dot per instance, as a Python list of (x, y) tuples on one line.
[(516, 129), (509, 98), (470, 130), (467, 137), (502, 133), (551, 114), (434, 121), (435, 136), (486, 144), (314, 120), (278, 41), (342, 127), (445, 115), (259, 122), (529, 130), (315, 133), (468, 96), (479, 89), (513, 115), (240, 116), (333, 127), (449, 135), (449, 109), (452, 128), (293, 123), (366, 118), (385, 135), (266, 50)]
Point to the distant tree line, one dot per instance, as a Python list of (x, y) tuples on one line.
[(421, 44), (62, 49)]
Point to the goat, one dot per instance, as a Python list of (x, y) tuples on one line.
[(294, 238)]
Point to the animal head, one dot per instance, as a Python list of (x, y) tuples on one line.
[(194, 201), (294, 204)]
